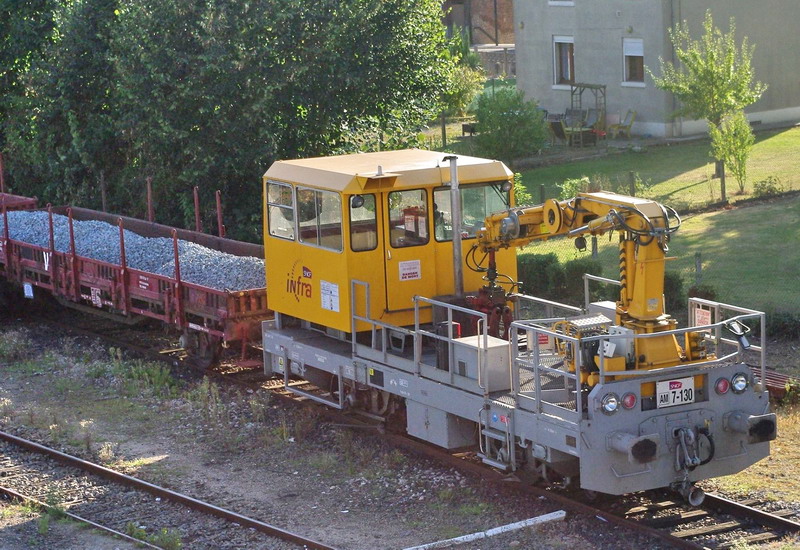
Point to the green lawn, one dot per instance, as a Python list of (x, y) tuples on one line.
[(750, 254), (679, 174)]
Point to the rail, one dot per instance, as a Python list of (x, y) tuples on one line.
[(161, 492)]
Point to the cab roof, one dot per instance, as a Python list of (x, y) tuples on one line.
[(364, 172)]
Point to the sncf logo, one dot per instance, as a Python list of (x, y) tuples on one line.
[(675, 385), (298, 282)]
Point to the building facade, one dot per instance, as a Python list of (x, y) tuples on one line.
[(488, 21), (616, 42)]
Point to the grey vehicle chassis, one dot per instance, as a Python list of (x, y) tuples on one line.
[(535, 419)]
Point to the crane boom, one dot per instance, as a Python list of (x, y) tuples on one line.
[(644, 225)]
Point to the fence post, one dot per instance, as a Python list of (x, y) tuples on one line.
[(541, 193), (632, 183), (698, 269)]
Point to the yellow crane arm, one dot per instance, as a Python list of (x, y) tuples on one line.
[(644, 227)]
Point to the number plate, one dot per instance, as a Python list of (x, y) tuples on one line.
[(675, 392)]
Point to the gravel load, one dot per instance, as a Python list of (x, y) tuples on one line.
[(100, 241)]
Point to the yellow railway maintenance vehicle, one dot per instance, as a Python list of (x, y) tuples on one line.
[(393, 280)]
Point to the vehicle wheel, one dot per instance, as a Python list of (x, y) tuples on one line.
[(208, 349)]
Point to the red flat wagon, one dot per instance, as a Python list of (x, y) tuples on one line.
[(208, 317)]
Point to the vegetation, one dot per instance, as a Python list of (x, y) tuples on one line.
[(509, 127), (545, 276), (208, 94), (467, 78), (731, 143), (714, 80), (736, 247), (679, 175)]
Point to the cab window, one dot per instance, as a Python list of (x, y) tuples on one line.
[(363, 223), (408, 218), (477, 202), (280, 210), (319, 218)]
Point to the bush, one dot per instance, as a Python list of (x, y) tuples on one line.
[(674, 295), (522, 196), (783, 325), (571, 187), (508, 126), (541, 274), (544, 276), (770, 186), (706, 292), (464, 86), (732, 143), (573, 280)]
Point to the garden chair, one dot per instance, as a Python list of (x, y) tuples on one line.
[(623, 127), (574, 118), (557, 132)]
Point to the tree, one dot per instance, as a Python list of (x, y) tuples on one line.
[(215, 91), (715, 77), (509, 127), (25, 29), (467, 78), (732, 143), (63, 126), (208, 94)]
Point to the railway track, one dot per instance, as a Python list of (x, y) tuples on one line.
[(671, 522), (120, 504), (718, 523)]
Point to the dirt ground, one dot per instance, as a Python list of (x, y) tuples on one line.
[(245, 451)]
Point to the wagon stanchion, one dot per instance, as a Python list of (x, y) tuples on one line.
[(52, 242), (197, 225), (179, 319), (220, 225), (123, 264), (150, 213), (6, 240), (2, 176), (76, 285)]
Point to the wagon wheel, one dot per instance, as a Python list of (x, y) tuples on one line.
[(203, 348), (208, 349)]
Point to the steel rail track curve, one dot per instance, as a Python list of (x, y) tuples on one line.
[(168, 494), (15, 496)]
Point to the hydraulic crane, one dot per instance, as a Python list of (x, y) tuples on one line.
[(644, 226)]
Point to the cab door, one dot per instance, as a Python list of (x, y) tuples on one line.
[(408, 249)]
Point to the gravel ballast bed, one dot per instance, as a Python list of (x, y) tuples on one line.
[(100, 241)]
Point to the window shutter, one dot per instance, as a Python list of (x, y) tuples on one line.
[(632, 47)]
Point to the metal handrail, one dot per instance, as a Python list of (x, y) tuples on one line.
[(587, 277)]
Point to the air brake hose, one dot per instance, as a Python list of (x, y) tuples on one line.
[(711, 448)]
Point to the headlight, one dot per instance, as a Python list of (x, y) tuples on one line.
[(739, 382), (610, 403)]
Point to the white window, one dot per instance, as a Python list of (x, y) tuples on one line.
[(319, 218), (633, 60), (280, 210), (563, 60)]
